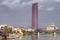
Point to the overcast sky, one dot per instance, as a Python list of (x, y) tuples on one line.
[(18, 12)]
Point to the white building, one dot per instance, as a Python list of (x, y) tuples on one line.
[(29, 29), (2, 27), (51, 27)]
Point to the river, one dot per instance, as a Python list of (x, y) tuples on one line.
[(38, 37)]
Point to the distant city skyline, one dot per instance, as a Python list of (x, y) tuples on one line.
[(19, 12)]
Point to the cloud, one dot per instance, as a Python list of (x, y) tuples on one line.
[(17, 3), (11, 3), (50, 9), (57, 0)]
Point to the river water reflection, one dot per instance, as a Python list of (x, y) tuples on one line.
[(40, 37)]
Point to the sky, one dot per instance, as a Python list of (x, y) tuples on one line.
[(19, 12)]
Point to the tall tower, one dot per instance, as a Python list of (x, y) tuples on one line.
[(35, 16)]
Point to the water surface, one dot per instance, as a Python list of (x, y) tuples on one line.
[(39, 37)]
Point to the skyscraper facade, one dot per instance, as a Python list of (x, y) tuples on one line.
[(35, 16)]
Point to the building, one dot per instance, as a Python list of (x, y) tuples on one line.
[(51, 27), (18, 30), (29, 29), (2, 27), (5, 29), (35, 16)]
